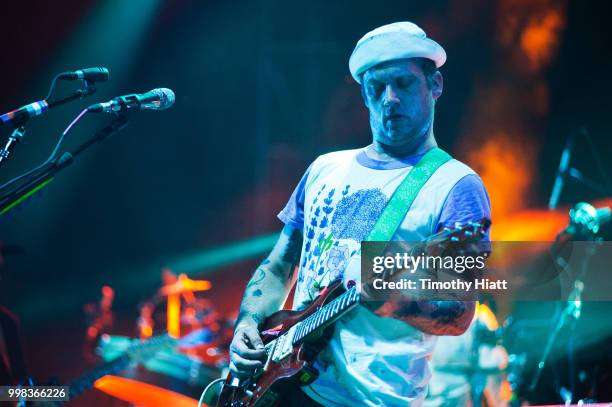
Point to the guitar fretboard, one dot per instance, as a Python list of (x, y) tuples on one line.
[(86, 382), (326, 314), (135, 352)]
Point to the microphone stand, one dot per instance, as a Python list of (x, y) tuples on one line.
[(568, 316), (19, 132), (565, 172), (47, 174)]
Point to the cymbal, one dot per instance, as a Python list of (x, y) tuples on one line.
[(185, 284)]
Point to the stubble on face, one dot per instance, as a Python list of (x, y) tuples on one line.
[(401, 107)]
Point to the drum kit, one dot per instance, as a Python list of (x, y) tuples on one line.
[(192, 345)]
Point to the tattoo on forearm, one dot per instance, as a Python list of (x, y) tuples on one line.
[(251, 303), (258, 276), (437, 317), (253, 285), (257, 317), (447, 312), (443, 311), (294, 248)]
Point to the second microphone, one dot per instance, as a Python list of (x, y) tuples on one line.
[(156, 99)]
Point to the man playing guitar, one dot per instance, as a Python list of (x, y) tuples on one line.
[(371, 359)]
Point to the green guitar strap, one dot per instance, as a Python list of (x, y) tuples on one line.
[(405, 194)]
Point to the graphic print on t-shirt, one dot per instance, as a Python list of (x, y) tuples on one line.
[(334, 227)]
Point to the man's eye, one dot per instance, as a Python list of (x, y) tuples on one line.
[(375, 91), (404, 83)]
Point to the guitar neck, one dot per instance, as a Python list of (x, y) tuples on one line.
[(470, 232), (134, 353), (327, 314), (87, 381)]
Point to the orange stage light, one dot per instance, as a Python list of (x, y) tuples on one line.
[(535, 224), (142, 394), (486, 316), (174, 315), (540, 38), (146, 331), (529, 225), (505, 164)]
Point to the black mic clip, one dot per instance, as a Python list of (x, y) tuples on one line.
[(89, 77), (87, 90)]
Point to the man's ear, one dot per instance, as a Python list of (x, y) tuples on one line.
[(363, 95), (437, 84), (364, 98)]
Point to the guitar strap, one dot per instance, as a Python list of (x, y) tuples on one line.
[(405, 194)]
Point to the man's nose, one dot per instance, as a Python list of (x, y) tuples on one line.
[(390, 96)]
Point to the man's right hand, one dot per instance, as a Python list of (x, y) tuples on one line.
[(247, 351), (264, 294)]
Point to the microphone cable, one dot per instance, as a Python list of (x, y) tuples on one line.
[(52, 156), (208, 388)]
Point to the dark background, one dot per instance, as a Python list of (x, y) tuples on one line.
[(261, 89)]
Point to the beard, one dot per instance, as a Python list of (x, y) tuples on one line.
[(402, 133)]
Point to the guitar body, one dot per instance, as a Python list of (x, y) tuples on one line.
[(266, 387)]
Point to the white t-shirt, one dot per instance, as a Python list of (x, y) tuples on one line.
[(370, 360)]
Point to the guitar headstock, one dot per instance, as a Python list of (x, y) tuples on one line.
[(469, 232)]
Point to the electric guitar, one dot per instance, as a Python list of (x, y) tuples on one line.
[(293, 339)]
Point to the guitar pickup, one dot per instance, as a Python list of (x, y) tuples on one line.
[(284, 347)]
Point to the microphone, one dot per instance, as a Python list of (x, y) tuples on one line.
[(156, 99), (99, 74), (561, 172), (19, 116)]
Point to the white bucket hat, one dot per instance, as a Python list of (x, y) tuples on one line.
[(393, 41)]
